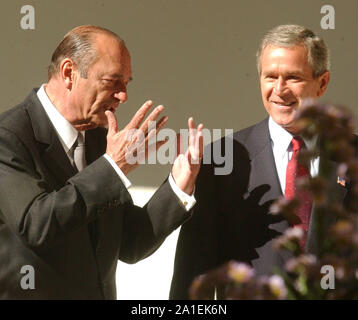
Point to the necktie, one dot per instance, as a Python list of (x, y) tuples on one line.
[(79, 159), (79, 152), (294, 171)]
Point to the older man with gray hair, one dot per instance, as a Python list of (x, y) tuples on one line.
[(232, 220), (66, 216)]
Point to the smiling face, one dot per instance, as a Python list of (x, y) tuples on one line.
[(286, 79), (105, 86)]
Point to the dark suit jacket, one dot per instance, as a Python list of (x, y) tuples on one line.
[(231, 219), (70, 227)]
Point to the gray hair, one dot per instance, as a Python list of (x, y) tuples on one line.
[(78, 45), (291, 35)]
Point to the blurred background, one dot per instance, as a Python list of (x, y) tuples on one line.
[(196, 57)]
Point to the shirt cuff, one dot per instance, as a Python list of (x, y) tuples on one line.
[(121, 175), (187, 201)]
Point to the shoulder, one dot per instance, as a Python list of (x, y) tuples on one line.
[(249, 139), (257, 131), (17, 119), (221, 155)]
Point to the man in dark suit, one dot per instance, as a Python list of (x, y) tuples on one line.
[(232, 218), (65, 212)]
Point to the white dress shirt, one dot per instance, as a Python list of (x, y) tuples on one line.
[(67, 135), (282, 151)]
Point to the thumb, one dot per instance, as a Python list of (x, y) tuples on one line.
[(112, 123)]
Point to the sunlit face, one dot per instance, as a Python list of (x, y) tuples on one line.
[(286, 80), (105, 86)]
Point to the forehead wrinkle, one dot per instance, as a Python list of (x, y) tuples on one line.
[(280, 62)]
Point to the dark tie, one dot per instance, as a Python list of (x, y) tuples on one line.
[(294, 171)]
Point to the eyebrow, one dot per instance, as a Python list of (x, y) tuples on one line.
[(289, 73), (119, 76)]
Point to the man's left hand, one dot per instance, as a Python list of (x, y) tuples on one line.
[(187, 165)]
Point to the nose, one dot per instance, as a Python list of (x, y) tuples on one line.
[(280, 86), (121, 95)]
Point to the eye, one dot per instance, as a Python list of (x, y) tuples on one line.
[(270, 77), (293, 78), (109, 83)]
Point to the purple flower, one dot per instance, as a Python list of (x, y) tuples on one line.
[(277, 287), (240, 272)]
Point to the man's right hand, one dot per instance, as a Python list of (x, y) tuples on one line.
[(120, 143)]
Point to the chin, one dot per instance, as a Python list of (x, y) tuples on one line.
[(103, 124), (285, 122), (290, 127), (100, 122)]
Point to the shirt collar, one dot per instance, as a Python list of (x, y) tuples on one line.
[(281, 139), (66, 132)]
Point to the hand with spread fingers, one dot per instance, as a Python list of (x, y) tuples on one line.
[(121, 145), (187, 165)]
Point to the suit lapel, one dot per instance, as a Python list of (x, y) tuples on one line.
[(263, 167), (264, 173), (53, 153), (95, 144)]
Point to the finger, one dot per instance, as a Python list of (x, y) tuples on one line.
[(200, 140), (153, 131), (153, 147), (151, 135), (192, 134), (151, 118), (159, 125), (160, 143), (112, 122), (201, 144), (191, 123), (196, 143), (140, 115), (188, 156), (200, 127)]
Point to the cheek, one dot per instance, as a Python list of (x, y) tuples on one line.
[(97, 98), (305, 91), (266, 90)]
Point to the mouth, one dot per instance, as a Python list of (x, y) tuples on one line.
[(284, 104)]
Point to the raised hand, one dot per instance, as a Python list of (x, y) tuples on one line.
[(186, 166), (121, 144)]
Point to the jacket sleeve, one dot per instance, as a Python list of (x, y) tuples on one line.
[(39, 215), (144, 229)]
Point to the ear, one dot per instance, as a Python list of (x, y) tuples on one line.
[(67, 70), (323, 81)]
